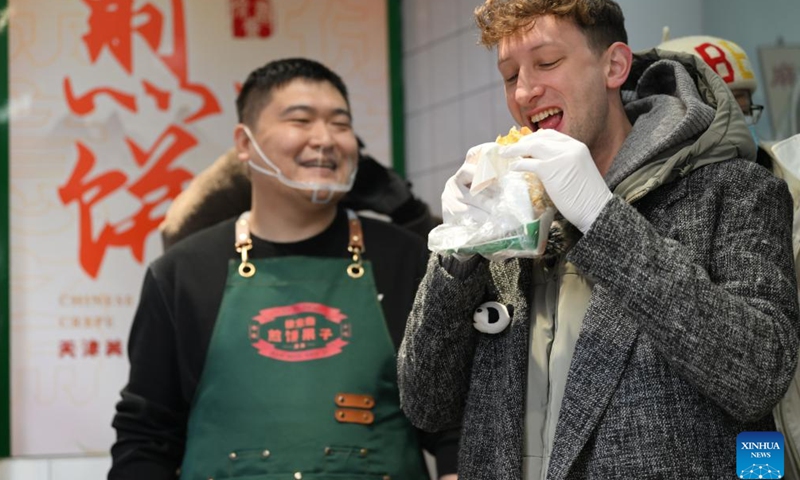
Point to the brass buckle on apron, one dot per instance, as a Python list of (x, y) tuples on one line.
[(243, 245), (246, 269), (355, 245), (355, 269)]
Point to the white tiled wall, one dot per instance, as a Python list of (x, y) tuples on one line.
[(77, 468), (454, 99)]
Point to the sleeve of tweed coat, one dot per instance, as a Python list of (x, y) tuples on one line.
[(435, 358), (721, 303)]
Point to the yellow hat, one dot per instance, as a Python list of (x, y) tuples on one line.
[(723, 56)]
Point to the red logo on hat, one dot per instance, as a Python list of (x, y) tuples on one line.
[(252, 18), (300, 332), (716, 58)]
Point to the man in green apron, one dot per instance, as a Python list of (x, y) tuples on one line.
[(264, 347)]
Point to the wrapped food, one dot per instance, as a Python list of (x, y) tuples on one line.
[(520, 212), (499, 166)]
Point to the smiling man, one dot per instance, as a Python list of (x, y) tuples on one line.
[(264, 346), (662, 320)]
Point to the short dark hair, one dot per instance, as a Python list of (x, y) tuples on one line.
[(258, 87), (601, 21)]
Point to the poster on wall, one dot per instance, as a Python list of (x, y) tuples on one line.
[(115, 105), (780, 67)]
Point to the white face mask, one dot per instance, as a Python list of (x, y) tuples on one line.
[(314, 187)]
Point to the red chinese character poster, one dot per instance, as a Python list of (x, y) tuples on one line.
[(115, 105)]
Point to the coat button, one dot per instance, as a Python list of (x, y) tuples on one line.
[(265, 453), (363, 452), (492, 317), (232, 455), (298, 476)]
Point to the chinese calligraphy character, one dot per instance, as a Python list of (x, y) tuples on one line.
[(274, 336), (114, 347), (309, 334), (292, 336), (251, 18), (133, 231), (112, 27), (66, 348), (91, 348)]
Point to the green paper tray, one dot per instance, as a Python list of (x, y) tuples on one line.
[(528, 240)]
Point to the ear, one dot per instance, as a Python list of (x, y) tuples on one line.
[(620, 59), (242, 142)]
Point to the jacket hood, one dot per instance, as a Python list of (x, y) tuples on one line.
[(684, 116)]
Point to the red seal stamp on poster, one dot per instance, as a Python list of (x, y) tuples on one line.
[(252, 18)]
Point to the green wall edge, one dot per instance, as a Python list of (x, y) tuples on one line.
[(398, 146), (5, 268)]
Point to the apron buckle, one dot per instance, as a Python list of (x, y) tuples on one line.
[(355, 269), (246, 269)]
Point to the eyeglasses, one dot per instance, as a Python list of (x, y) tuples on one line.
[(755, 113)]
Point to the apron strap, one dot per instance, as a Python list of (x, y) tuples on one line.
[(244, 244), (355, 245)]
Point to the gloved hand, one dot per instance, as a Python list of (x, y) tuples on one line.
[(456, 199), (568, 172)]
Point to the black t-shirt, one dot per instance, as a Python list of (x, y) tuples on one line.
[(178, 308)]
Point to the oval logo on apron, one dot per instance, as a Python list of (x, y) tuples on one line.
[(301, 332)]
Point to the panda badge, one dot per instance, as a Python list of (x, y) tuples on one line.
[(492, 317)]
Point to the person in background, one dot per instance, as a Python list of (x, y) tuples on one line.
[(732, 64), (661, 321), (265, 345), (223, 190)]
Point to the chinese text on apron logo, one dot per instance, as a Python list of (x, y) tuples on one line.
[(300, 332)]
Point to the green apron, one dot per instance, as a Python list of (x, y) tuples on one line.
[(300, 377)]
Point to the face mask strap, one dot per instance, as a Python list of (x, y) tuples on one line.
[(277, 172), (314, 187)]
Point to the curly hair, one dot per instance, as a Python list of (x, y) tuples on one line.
[(600, 20)]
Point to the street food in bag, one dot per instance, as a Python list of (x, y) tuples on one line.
[(536, 190), (520, 212)]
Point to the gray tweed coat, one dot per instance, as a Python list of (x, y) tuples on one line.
[(691, 334)]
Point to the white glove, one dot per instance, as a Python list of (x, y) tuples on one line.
[(568, 172), (457, 202)]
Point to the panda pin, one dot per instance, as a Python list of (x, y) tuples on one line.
[(492, 317)]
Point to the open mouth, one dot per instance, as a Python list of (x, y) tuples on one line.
[(549, 118)]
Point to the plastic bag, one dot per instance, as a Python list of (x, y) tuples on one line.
[(520, 214)]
